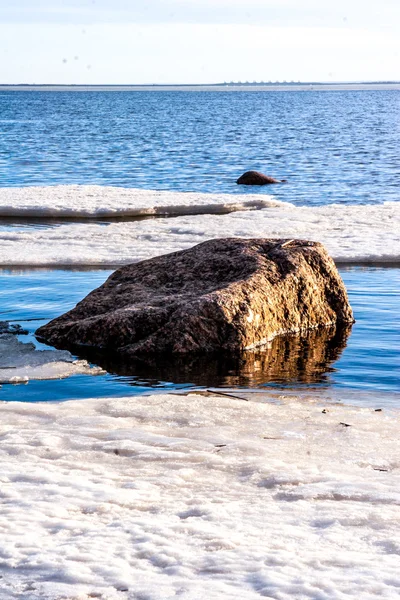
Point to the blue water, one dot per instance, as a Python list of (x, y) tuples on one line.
[(368, 359), (335, 146)]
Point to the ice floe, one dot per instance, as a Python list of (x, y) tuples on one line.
[(192, 497), (21, 362), (94, 201), (351, 233)]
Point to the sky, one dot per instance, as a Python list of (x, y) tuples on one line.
[(198, 41)]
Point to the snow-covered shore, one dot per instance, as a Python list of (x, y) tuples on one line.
[(192, 497), (352, 234)]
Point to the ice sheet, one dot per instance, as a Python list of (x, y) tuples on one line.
[(352, 234), (94, 201), (20, 362), (198, 497)]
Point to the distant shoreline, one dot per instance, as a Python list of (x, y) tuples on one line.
[(215, 87)]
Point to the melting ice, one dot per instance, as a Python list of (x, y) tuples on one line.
[(20, 362), (351, 233)]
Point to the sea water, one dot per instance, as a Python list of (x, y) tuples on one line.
[(333, 147), (106, 178)]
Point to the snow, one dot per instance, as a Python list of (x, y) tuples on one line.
[(352, 234), (172, 496), (94, 201), (21, 361)]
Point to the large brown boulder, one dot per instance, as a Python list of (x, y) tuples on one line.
[(256, 178), (222, 295)]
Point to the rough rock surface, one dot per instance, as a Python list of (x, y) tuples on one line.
[(222, 295), (256, 178)]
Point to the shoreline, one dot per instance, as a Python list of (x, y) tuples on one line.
[(279, 396)]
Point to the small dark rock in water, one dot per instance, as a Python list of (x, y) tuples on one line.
[(5, 327), (256, 178), (222, 295)]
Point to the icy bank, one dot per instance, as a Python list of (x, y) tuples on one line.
[(351, 234), (198, 497), (100, 202), (20, 362)]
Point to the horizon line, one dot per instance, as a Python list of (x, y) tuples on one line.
[(221, 84)]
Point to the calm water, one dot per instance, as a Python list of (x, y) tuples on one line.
[(363, 359), (331, 146)]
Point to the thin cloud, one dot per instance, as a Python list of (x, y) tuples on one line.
[(308, 13), (144, 53)]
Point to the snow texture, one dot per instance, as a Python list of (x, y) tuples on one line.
[(352, 234), (193, 497), (94, 201)]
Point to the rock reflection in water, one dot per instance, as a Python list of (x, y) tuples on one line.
[(304, 358)]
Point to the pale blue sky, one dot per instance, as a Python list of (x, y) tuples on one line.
[(198, 41)]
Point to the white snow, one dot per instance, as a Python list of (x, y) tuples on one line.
[(352, 234), (94, 201), (196, 497), (21, 361)]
